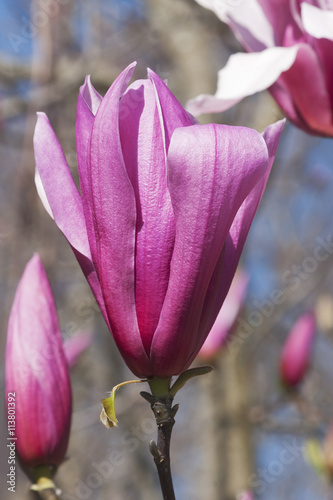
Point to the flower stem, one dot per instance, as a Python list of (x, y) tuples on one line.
[(161, 451), (48, 494), (164, 414), (44, 486), (160, 387)]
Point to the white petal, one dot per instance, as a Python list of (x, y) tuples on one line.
[(317, 22), (246, 19), (243, 75), (42, 194)]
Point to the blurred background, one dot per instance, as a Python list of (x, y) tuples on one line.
[(235, 425)]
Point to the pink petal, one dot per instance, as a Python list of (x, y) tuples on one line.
[(36, 370), (246, 19), (173, 113), (142, 139), (280, 92), (305, 81), (244, 74), (115, 219), (87, 106), (62, 199), (62, 195), (89, 95), (212, 169), (282, 15), (222, 278), (324, 50)]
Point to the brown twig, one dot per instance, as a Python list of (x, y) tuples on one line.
[(48, 494), (164, 414)]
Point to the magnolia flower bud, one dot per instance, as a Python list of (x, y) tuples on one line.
[(37, 373), (296, 352), (246, 495), (226, 318)]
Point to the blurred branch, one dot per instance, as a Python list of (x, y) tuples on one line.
[(11, 72), (70, 76)]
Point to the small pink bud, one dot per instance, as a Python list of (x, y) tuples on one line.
[(76, 345), (226, 319), (246, 495), (296, 352), (37, 372)]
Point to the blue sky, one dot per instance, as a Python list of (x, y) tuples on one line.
[(18, 28)]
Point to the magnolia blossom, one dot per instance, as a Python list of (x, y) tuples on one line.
[(290, 52), (37, 372), (296, 352), (163, 214), (226, 318), (246, 495)]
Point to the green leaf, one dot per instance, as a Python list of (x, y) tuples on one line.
[(185, 376), (108, 413)]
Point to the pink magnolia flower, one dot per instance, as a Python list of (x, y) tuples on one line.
[(37, 372), (291, 45), (246, 495), (164, 211), (226, 318), (296, 352)]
